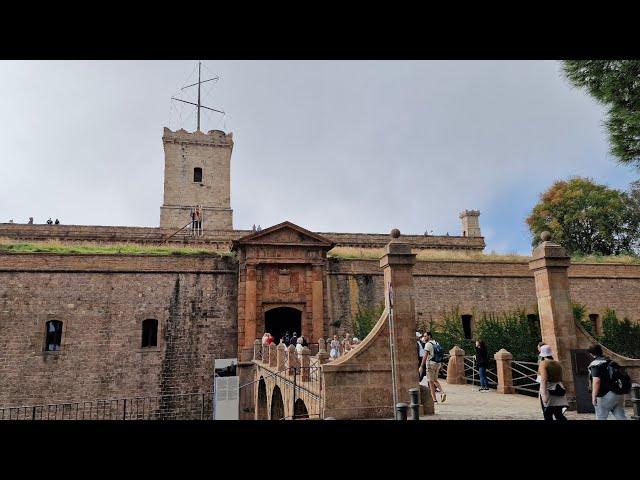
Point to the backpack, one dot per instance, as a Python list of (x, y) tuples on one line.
[(438, 356), (619, 380)]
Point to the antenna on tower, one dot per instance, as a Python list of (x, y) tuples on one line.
[(199, 105)]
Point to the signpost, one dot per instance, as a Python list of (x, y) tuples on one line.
[(226, 398)]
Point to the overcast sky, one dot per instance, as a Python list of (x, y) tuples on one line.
[(345, 146)]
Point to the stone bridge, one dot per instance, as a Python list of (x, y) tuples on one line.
[(286, 385)]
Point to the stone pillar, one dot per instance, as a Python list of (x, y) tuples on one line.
[(305, 373), (426, 401), (273, 353), (505, 374), (317, 303), (323, 357), (265, 354), (250, 306), (550, 266), (397, 264), (455, 368), (280, 357), (257, 349), (292, 360)]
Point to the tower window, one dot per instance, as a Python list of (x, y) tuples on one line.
[(466, 325), (150, 333), (54, 335), (197, 174)]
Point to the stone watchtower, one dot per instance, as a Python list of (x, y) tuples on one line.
[(197, 173), (470, 223)]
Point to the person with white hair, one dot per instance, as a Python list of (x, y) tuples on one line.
[(299, 346)]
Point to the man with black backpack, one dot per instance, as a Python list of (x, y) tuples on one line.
[(609, 383), (432, 361)]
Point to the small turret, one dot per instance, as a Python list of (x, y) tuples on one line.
[(470, 223)]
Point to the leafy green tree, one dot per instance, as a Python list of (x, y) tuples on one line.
[(587, 218), (615, 84)]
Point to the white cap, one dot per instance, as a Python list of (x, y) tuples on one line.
[(418, 334)]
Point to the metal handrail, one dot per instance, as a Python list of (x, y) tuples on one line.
[(194, 405)]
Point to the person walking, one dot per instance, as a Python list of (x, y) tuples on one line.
[(420, 347), (432, 361), (335, 347), (552, 393), (482, 361), (294, 339), (607, 394)]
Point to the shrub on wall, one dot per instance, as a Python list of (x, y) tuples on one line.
[(364, 320), (511, 331), (621, 336)]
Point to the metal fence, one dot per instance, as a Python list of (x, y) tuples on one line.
[(524, 377), (471, 373), (189, 406)]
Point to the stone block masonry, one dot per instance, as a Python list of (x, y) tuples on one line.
[(102, 301), (183, 189)]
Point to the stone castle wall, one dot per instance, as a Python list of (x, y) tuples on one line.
[(217, 238), (102, 301), (477, 287)]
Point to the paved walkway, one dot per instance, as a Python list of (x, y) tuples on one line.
[(465, 403)]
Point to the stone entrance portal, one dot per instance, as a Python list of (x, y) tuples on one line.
[(282, 285), (280, 320)]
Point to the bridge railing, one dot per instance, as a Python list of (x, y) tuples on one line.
[(524, 377), (472, 374), (190, 406), (299, 374)]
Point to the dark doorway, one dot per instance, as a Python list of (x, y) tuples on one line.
[(466, 325), (281, 320), (534, 325)]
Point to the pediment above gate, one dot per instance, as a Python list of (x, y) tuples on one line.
[(284, 234)]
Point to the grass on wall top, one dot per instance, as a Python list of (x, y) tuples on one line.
[(88, 248), (352, 253)]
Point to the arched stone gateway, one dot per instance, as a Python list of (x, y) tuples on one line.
[(282, 285), (277, 405), (300, 410), (262, 411)]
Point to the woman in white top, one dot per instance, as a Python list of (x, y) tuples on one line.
[(335, 347), (299, 346)]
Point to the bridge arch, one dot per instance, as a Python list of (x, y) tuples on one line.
[(277, 404), (300, 410), (262, 410)]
